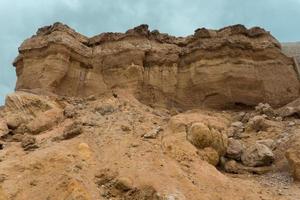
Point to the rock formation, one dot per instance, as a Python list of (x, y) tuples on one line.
[(211, 68)]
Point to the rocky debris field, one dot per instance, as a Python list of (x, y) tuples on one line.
[(114, 147)]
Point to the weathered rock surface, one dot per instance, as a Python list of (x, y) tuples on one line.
[(234, 149), (257, 155), (233, 166), (221, 68), (293, 156), (291, 109), (27, 112), (201, 136)]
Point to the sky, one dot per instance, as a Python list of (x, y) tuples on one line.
[(19, 19)]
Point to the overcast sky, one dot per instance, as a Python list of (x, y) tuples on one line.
[(19, 19)]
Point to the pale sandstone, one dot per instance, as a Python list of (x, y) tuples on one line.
[(212, 68)]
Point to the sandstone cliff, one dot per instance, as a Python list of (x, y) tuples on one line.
[(211, 68)]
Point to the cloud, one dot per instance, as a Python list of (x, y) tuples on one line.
[(20, 19)]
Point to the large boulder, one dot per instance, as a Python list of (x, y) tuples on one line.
[(201, 136), (257, 155), (293, 157), (232, 166), (291, 109), (196, 135), (27, 112), (235, 149)]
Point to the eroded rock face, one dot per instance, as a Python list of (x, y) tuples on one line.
[(257, 155), (214, 68), (27, 112)]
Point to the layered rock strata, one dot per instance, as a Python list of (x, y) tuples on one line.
[(211, 68)]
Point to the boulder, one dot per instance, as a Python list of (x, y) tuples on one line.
[(45, 121), (291, 109), (69, 111), (3, 128), (257, 123), (265, 109), (153, 133), (268, 142), (293, 157), (233, 166), (201, 136), (235, 130), (257, 155), (26, 111), (235, 149), (72, 131), (29, 143), (105, 109)]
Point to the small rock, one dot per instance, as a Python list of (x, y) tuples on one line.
[(237, 124), (257, 123), (91, 98), (1, 146), (123, 184), (105, 109), (240, 116), (125, 128), (235, 130), (264, 108), (268, 142), (17, 137), (3, 177), (72, 131), (13, 121), (69, 111), (291, 124), (246, 118), (232, 166), (257, 155), (235, 149), (153, 133), (29, 143), (293, 157)]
